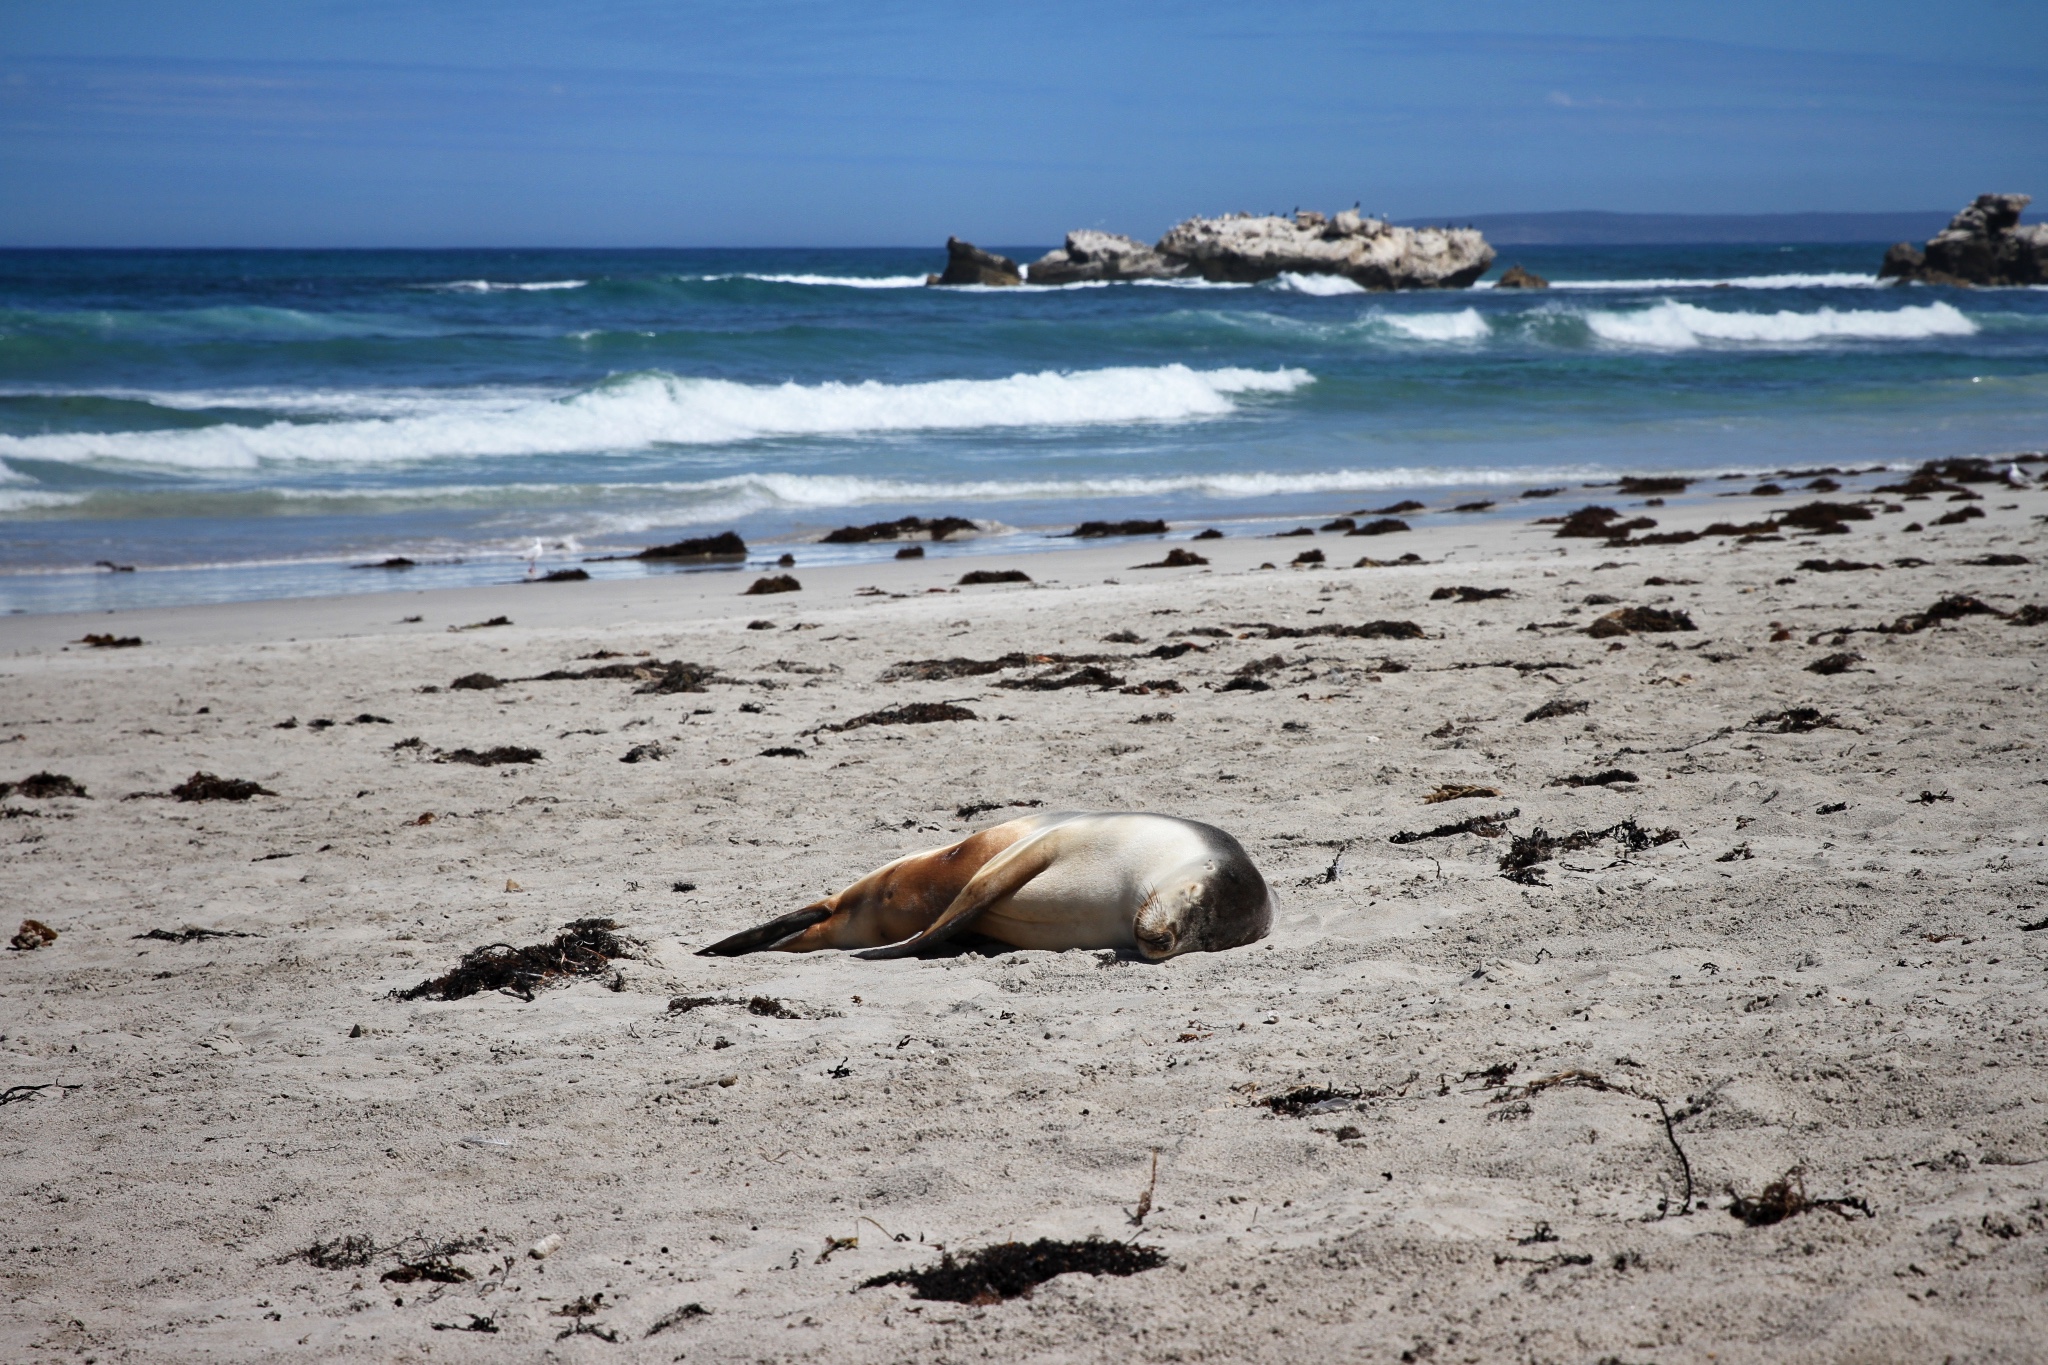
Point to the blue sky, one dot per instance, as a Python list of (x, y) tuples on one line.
[(796, 122)]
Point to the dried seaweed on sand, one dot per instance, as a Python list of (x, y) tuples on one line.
[(207, 787), (1011, 1269), (910, 713), (1648, 620), (1606, 778), (585, 947), (1786, 1197), (1519, 863), (491, 758), (1485, 826), (42, 787)]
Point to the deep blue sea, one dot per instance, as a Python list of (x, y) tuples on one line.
[(240, 424)]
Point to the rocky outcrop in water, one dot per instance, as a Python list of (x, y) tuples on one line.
[(1517, 278), (1984, 244), (1368, 251), (1245, 249), (1091, 255), (967, 263)]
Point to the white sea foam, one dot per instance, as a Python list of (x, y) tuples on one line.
[(372, 402), (14, 499), (1671, 325), (1464, 325), (1193, 283), (505, 287), (918, 282), (1834, 279), (835, 281), (649, 410), (1323, 286), (600, 509)]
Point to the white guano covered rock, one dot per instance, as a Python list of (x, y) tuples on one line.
[(1091, 255), (1369, 251)]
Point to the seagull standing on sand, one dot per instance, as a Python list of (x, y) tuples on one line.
[(533, 554)]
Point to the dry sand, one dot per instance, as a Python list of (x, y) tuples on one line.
[(1849, 994)]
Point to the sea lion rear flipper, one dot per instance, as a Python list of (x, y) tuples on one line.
[(767, 935), (1001, 876)]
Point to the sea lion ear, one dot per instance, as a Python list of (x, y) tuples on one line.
[(769, 935)]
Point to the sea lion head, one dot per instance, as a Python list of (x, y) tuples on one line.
[(1219, 901)]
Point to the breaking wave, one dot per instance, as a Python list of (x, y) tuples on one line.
[(498, 287), (1833, 279), (835, 281), (1465, 325), (1323, 286), (650, 410), (1671, 325)]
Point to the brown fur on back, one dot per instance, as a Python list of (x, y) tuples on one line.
[(894, 902)]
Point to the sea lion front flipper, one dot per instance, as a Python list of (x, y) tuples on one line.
[(1001, 876), (767, 935)]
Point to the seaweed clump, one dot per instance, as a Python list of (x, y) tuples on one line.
[(1647, 620), (1633, 485), (1367, 630), (942, 670), (491, 758), (1606, 778), (1308, 1099), (1831, 664), (1796, 720), (1457, 791), (676, 676), (41, 787), (1011, 1269), (1485, 826), (726, 545), (1786, 1197), (585, 947), (1951, 608), (1091, 530), (910, 713), (207, 787), (1092, 675), (976, 577), (1597, 523), (1526, 851), (938, 528), (1826, 518)]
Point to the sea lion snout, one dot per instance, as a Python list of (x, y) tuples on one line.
[(1204, 908)]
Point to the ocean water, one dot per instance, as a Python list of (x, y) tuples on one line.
[(241, 424)]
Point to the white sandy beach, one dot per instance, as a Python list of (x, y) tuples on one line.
[(1850, 994)]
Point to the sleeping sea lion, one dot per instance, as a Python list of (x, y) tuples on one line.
[(1156, 884)]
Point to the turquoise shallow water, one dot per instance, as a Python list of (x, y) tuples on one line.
[(248, 424)]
